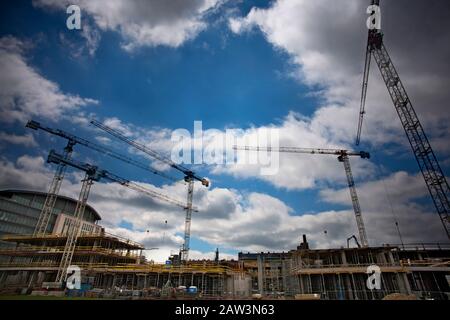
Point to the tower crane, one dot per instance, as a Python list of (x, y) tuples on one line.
[(189, 177), (92, 173), (429, 166), (343, 156), (72, 140)]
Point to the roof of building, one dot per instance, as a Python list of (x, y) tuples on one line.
[(50, 240), (44, 194)]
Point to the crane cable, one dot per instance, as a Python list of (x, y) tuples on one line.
[(385, 189)]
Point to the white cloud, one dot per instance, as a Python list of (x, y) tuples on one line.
[(92, 37), (26, 172), (25, 93), (326, 42), (391, 199), (86, 41), (26, 140), (300, 171), (143, 22), (117, 124), (236, 220), (296, 171)]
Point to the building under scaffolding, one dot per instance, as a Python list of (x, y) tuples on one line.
[(20, 210), (107, 263), (112, 266), (421, 270)]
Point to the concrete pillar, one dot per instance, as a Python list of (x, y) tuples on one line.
[(391, 257), (300, 281), (381, 258), (344, 258), (260, 274), (346, 283), (32, 276), (403, 283), (3, 276), (406, 283)]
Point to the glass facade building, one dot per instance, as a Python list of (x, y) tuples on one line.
[(20, 210)]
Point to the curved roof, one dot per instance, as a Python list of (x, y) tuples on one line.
[(44, 194)]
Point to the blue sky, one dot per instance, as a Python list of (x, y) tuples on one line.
[(247, 78)]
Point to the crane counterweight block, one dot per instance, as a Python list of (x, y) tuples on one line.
[(205, 182), (33, 125), (364, 155)]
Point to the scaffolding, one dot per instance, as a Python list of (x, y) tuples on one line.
[(115, 266), (108, 262), (341, 274)]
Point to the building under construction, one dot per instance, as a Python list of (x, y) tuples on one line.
[(420, 271), (44, 234), (109, 263), (113, 267)]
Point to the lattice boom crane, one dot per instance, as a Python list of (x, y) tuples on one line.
[(429, 166), (342, 157), (189, 177), (93, 173), (55, 186)]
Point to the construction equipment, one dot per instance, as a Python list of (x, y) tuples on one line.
[(101, 149), (356, 240), (52, 195), (44, 217), (92, 173), (189, 177), (432, 173), (342, 157)]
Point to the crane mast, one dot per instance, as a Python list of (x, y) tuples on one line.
[(188, 219), (189, 177), (74, 229), (426, 159), (92, 173), (52, 195), (355, 201), (343, 156)]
